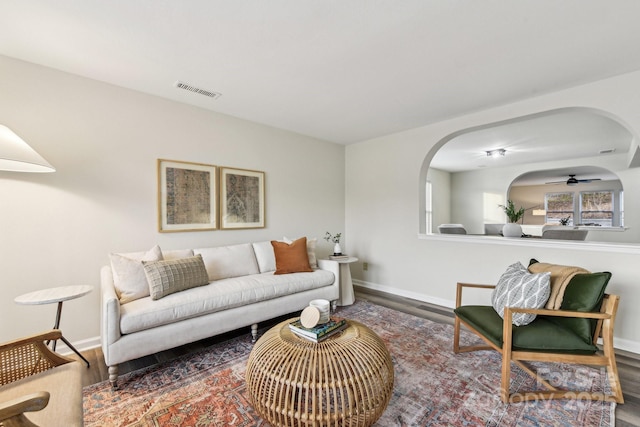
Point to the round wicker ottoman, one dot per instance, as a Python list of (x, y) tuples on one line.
[(345, 380)]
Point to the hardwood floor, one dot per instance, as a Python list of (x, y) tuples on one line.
[(627, 414)]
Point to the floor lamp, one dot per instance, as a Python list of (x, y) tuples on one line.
[(17, 156)]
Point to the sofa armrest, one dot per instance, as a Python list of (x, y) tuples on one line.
[(110, 310), (332, 266)]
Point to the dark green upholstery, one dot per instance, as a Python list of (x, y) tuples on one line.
[(584, 293), (540, 335), (552, 334)]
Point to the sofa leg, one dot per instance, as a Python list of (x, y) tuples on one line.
[(334, 305), (113, 376), (254, 332)]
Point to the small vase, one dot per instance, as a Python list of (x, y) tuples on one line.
[(512, 230), (336, 249)]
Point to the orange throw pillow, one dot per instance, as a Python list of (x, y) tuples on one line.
[(291, 258)]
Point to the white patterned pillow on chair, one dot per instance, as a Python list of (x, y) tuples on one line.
[(519, 288)]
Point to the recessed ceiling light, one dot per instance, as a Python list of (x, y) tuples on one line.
[(496, 153)]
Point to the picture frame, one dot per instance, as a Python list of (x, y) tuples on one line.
[(242, 198), (187, 196)]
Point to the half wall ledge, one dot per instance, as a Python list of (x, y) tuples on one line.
[(624, 248)]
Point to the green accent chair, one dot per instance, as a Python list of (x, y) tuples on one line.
[(567, 335)]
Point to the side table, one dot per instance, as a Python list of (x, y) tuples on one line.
[(347, 296), (56, 295)]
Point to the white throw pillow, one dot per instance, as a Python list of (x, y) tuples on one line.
[(519, 288), (265, 256), (177, 254), (311, 250), (224, 262), (128, 274)]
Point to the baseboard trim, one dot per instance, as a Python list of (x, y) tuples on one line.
[(618, 343), (407, 294), (82, 345), (627, 345)]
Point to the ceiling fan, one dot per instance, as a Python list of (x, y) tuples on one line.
[(573, 181)]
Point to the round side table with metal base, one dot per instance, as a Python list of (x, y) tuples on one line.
[(345, 380), (56, 295)]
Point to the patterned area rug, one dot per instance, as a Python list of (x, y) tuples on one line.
[(433, 386)]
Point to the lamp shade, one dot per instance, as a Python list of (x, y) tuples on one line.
[(17, 156)]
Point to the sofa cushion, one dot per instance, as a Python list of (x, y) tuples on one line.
[(177, 254), (311, 250), (561, 275), (128, 274), (291, 257), (267, 259), (265, 256), (540, 335), (168, 277), (229, 261), (583, 293), (217, 296), (519, 288)]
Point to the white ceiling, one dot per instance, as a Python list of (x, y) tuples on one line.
[(339, 70), (569, 133)]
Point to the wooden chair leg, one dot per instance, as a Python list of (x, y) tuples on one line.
[(609, 352), (456, 335), (505, 383)]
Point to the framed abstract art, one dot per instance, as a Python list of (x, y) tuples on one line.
[(241, 198), (187, 196)]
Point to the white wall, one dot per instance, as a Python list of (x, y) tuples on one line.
[(470, 189), (57, 229), (440, 197), (382, 212)]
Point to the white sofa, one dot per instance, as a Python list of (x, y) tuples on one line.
[(242, 291)]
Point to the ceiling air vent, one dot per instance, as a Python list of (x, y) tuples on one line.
[(185, 86), (607, 151)]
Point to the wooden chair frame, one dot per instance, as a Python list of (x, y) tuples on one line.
[(604, 329), (22, 358)]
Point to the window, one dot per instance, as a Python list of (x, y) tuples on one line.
[(428, 208), (596, 208), (559, 207)]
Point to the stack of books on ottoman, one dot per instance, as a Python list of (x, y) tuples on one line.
[(319, 332)]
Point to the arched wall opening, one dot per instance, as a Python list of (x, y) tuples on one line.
[(489, 184)]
